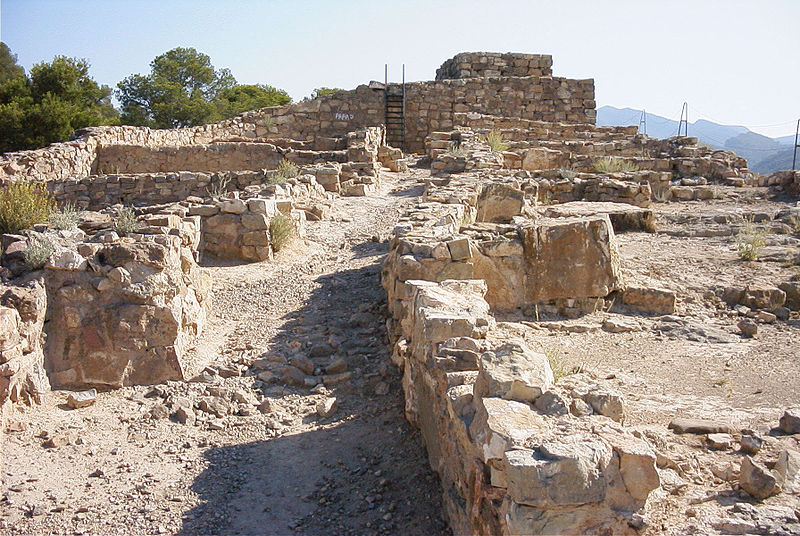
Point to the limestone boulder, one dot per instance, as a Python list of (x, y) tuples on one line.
[(763, 297), (542, 158), (636, 463), (790, 421), (757, 480), (650, 300), (624, 217), (788, 470), (500, 425), (567, 472), (576, 258), (499, 202), (513, 371)]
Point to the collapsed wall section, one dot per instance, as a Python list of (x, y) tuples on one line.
[(114, 310), (483, 231)]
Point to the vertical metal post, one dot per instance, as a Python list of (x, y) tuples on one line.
[(385, 73), (684, 109), (794, 154)]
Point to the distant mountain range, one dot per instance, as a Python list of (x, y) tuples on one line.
[(763, 154)]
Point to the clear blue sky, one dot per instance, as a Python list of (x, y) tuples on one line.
[(737, 61)]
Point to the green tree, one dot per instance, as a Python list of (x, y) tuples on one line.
[(8, 64), (184, 89), (58, 98), (238, 99), (322, 91)]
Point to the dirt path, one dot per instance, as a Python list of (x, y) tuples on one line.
[(125, 468)]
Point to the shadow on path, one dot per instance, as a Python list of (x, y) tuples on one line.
[(362, 471)]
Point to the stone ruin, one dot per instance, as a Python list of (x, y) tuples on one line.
[(530, 227)]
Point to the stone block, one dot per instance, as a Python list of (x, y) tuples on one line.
[(650, 300), (570, 259), (163, 220), (514, 372), (500, 425), (567, 472), (233, 206), (499, 202), (267, 207), (255, 222), (543, 158), (255, 238), (460, 249), (203, 210)]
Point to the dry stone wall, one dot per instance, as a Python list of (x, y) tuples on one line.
[(432, 106), (785, 181), (516, 453), (239, 228), (523, 89), (533, 129), (119, 311), (568, 262), (214, 157), (23, 378), (79, 156), (563, 147), (357, 177), (494, 64)]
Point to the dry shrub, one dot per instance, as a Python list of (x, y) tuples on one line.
[(750, 241), (126, 221), (67, 217), (24, 204), (38, 251), (285, 170), (281, 230), (455, 150)]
